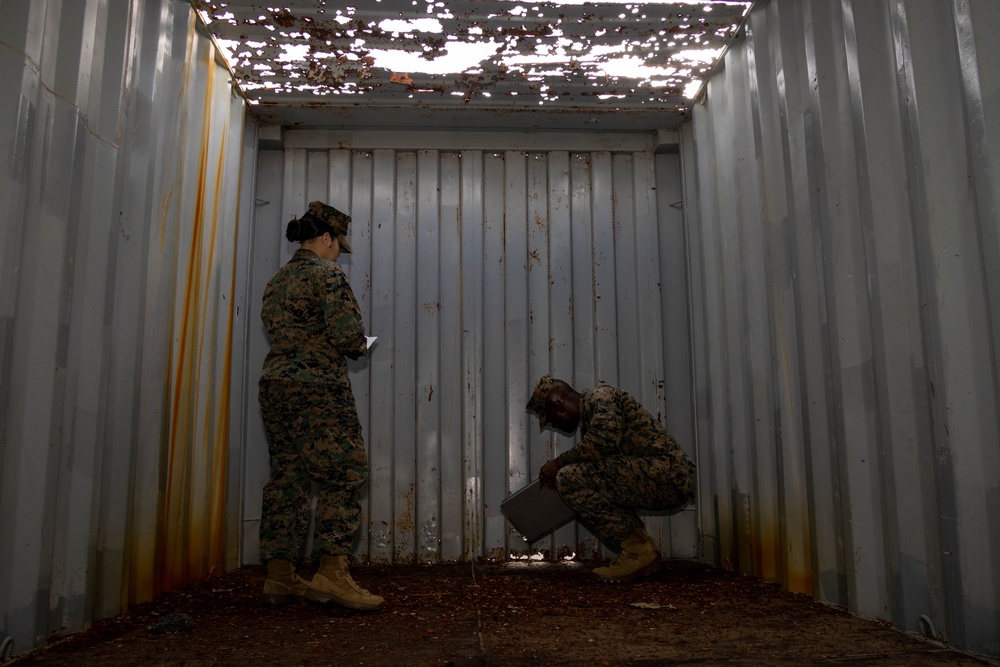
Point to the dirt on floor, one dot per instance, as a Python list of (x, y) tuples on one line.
[(498, 615)]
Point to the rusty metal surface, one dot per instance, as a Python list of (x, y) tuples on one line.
[(117, 256), (462, 336), (840, 207), (599, 65)]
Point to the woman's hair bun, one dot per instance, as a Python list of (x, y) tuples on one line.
[(305, 228), (293, 230)]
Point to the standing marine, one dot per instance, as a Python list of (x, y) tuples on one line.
[(625, 461), (313, 432)]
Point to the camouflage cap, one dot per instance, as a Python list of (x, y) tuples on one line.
[(537, 402), (336, 219)]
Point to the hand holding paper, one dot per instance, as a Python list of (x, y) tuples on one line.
[(371, 341)]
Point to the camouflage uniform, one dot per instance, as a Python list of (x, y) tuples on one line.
[(624, 461), (308, 408)]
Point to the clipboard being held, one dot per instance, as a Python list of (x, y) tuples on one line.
[(535, 510)]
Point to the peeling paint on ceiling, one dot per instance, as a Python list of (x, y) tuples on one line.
[(567, 63)]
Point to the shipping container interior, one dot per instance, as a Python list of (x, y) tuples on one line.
[(790, 253)]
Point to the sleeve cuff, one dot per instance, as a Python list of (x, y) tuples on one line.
[(567, 457)]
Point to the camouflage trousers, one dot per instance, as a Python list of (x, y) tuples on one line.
[(605, 494), (312, 441)]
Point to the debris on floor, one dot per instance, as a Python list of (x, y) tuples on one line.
[(498, 615)]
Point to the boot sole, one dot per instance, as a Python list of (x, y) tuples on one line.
[(321, 598), (643, 571)]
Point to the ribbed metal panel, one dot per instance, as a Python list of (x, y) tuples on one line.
[(840, 192), (479, 271), (823, 289), (122, 153)]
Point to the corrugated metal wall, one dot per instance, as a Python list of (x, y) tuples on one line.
[(826, 302), (841, 191), (122, 146), (481, 261)]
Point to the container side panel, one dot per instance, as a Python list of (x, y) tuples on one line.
[(123, 158), (852, 210)]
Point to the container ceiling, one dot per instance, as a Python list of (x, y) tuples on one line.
[(603, 66)]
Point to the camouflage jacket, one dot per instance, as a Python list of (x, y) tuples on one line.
[(613, 422), (313, 320)]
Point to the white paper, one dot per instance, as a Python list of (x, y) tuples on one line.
[(371, 341)]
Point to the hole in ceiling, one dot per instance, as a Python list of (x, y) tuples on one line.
[(608, 55)]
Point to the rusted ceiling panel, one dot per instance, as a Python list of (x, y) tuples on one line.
[(604, 65)]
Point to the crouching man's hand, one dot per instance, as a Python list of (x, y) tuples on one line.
[(547, 475)]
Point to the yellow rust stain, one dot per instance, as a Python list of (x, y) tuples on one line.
[(191, 538), (405, 521)]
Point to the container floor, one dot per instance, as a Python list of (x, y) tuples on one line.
[(495, 615)]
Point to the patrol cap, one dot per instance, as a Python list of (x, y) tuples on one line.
[(537, 402), (336, 219)]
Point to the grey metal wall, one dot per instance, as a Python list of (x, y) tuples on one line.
[(481, 261), (121, 147), (841, 191)]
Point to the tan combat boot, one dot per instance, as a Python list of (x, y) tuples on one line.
[(282, 585), (333, 583), (638, 557)]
